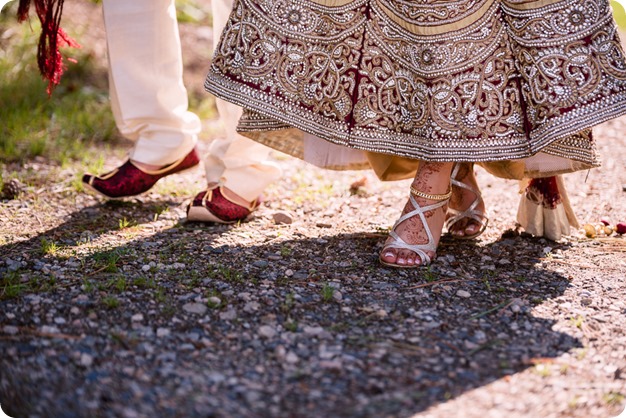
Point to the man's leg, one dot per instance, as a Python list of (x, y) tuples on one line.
[(237, 164), (148, 98)]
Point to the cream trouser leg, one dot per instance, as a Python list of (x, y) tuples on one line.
[(240, 163), (148, 99)]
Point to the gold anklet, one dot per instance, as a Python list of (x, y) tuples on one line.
[(445, 196)]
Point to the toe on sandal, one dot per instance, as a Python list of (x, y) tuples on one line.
[(471, 212), (419, 249)]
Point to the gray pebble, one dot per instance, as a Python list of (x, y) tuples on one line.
[(195, 308), (137, 317), (282, 218), (86, 360), (10, 329), (267, 331), (163, 332), (229, 315)]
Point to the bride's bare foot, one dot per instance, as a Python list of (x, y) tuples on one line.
[(414, 238), (466, 214)]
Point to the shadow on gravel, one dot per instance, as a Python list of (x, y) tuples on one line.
[(89, 223), (291, 327)]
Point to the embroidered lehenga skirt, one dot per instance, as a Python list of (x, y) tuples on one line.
[(515, 85)]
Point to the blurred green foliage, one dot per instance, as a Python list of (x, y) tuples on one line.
[(56, 127), (619, 13)]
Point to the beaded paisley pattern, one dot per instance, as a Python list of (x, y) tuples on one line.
[(441, 80)]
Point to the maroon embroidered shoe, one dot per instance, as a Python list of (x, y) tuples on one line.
[(212, 206), (129, 180)]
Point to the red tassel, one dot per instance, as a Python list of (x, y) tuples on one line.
[(49, 58), (548, 188)]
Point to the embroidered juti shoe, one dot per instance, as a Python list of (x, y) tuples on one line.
[(212, 205), (129, 180)]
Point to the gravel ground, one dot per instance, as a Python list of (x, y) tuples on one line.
[(124, 309)]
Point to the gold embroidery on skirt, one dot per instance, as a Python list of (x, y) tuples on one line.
[(442, 80)]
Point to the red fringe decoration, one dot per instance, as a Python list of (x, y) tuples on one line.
[(549, 189), (52, 37)]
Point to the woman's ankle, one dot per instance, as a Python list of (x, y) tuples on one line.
[(433, 178)]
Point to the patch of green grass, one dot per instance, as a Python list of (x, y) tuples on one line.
[(159, 211), (14, 285), (48, 247), (107, 260), (11, 286), (77, 183), (118, 284), (126, 223), (543, 370), (327, 293), (168, 310), (96, 165), (282, 281), (215, 293), (143, 282), (88, 286), (573, 403), (577, 321), (190, 11), (229, 275), (93, 165), (160, 296), (59, 127), (285, 251), (289, 303), (291, 326), (309, 189), (613, 398), (194, 280), (110, 302), (429, 275), (172, 187), (44, 286), (203, 105)]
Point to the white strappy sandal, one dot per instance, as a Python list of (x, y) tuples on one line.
[(420, 249), (471, 212)]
